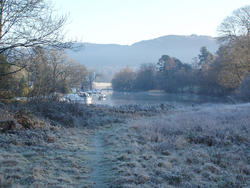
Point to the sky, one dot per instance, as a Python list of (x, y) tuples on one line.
[(129, 21)]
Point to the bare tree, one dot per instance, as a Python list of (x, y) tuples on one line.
[(124, 80), (78, 75), (234, 54), (236, 26), (29, 23), (145, 77), (59, 65), (49, 70)]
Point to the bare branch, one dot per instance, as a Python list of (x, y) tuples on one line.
[(235, 26), (12, 72)]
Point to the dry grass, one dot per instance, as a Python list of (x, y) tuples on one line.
[(204, 146), (44, 158), (208, 146), (49, 146), (80, 115)]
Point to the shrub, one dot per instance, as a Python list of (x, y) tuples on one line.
[(244, 88), (6, 94)]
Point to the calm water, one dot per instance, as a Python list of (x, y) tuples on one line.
[(121, 98)]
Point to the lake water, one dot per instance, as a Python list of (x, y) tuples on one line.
[(121, 98)]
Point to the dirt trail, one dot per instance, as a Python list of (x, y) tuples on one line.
[(99, 164), (105, 152), (78, 158)]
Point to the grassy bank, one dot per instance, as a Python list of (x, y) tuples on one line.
[(47, 143), (206, 146), (51, 144)]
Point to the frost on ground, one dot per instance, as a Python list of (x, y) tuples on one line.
[(45, 156), (53, 144), (50, 144), (192, 147)]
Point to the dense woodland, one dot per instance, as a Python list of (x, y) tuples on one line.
[(224, 73)]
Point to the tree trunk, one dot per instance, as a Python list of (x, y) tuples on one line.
[(1, 17)]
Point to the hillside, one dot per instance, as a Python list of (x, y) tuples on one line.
[(109, 58)]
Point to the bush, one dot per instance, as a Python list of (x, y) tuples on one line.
[(244, 88), (6, 94)]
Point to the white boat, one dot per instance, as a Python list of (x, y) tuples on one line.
[(73, 98), (82, 97), (86, 97), (102, 96)]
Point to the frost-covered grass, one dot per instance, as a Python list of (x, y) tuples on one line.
[(213, 126), (55, 149), (43, 155), (206, 146), (28, 160), (79, 115), (201, 146)]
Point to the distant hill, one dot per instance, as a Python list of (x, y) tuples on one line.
[(113, 56)]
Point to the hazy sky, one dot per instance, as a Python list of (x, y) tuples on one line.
[(129, 21)]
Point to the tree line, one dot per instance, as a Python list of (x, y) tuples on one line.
[(223, 73), (47, 71), (32, 57)]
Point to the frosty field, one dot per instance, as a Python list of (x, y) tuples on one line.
[(126, 146)]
